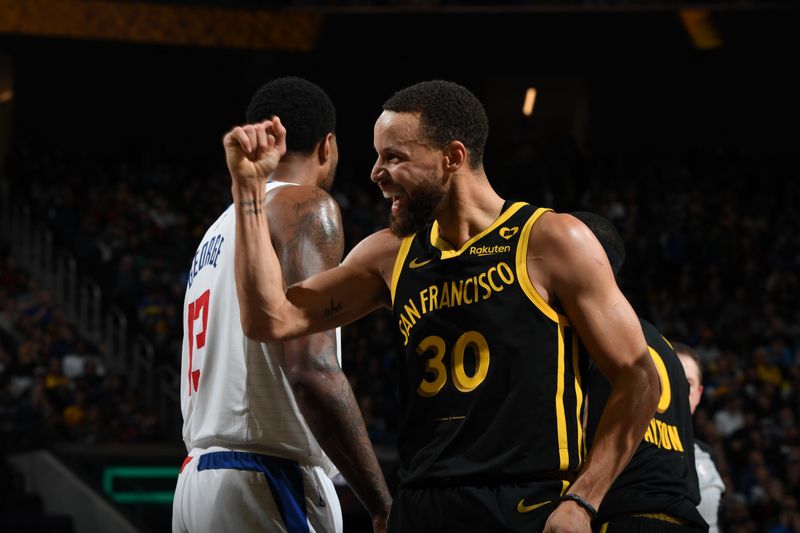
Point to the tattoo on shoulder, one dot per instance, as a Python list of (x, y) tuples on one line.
[(312, 238), (318, 226), (333, 308), (300, 206)]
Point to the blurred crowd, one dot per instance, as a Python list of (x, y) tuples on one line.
[(713, 253), (53, 384)]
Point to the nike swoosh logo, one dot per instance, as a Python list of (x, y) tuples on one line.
[(416, 263), (522, 508)]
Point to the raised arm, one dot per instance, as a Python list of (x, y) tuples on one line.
[(328, 300), (574, 272), (309, 241)]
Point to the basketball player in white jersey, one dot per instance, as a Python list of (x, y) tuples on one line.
[(266, 425)]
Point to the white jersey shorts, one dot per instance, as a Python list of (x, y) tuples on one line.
[(222, 491)]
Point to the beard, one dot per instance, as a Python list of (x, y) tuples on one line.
[(421, 211)]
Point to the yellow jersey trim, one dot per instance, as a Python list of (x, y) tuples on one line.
[(665, 398), (405, 246), (668, 343), (578, 397), (447, 249), (522, 271), (663, 517), (561, 417)]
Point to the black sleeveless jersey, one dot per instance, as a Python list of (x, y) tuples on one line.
[(490, 373), (661, 476)]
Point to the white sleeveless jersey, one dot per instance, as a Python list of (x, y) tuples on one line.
[(234, 393)]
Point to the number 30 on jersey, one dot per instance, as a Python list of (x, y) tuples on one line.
[(435, 366)]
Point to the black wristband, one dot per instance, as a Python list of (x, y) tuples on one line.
[(580, 501)]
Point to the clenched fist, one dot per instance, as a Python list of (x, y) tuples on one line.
[(254, 150)]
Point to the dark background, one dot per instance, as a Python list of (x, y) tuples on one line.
[(636, 73), (628, 105)]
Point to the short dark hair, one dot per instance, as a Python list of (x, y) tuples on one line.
[(448, 112), (608, 235), (688, 351), (303, 107)]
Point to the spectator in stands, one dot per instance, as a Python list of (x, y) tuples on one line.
[(711, 485)]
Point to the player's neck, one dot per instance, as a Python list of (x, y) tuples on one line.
[(470, 206), (299, 170)]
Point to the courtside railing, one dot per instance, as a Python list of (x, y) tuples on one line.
[(81, 298)]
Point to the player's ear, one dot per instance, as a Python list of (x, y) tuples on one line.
[(455, 155), (324, 148)]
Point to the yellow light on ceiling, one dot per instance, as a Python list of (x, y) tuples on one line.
[(530, 100)]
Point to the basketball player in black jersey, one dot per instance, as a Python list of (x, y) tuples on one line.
[(658, 490), (491, 401)]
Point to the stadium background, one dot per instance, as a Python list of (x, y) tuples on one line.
[(677, 120)]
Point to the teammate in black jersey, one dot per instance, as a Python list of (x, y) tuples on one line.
[(658, 490), (492, 396)]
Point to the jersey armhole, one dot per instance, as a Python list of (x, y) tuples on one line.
[(402, 253), (522, 271)]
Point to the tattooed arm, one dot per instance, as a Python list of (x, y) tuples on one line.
[(333, 298), (326, 300), (307, 233)]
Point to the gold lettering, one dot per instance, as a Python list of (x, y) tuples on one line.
[(405, 325), (502, 269), (483, 284), (456, 292), (411, 310), (497, 288), (648, 436), (675, 438), (444, 301), (403, 331), (665, 442), (663, 435)]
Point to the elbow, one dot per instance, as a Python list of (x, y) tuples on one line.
[(315, 382), (257, 329), (639, 383)]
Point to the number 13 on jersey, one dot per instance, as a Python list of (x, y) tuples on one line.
[(197, 339)]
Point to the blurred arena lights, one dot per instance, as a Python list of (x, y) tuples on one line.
[(701, 28), (530, 101)]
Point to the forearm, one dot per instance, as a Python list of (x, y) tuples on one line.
[(259, 281), (332, 413), (627, 413)]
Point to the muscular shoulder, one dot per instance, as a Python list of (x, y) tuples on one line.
[(301, 201), (560, 239), (304, 210), (561, 233), (306, 229)]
